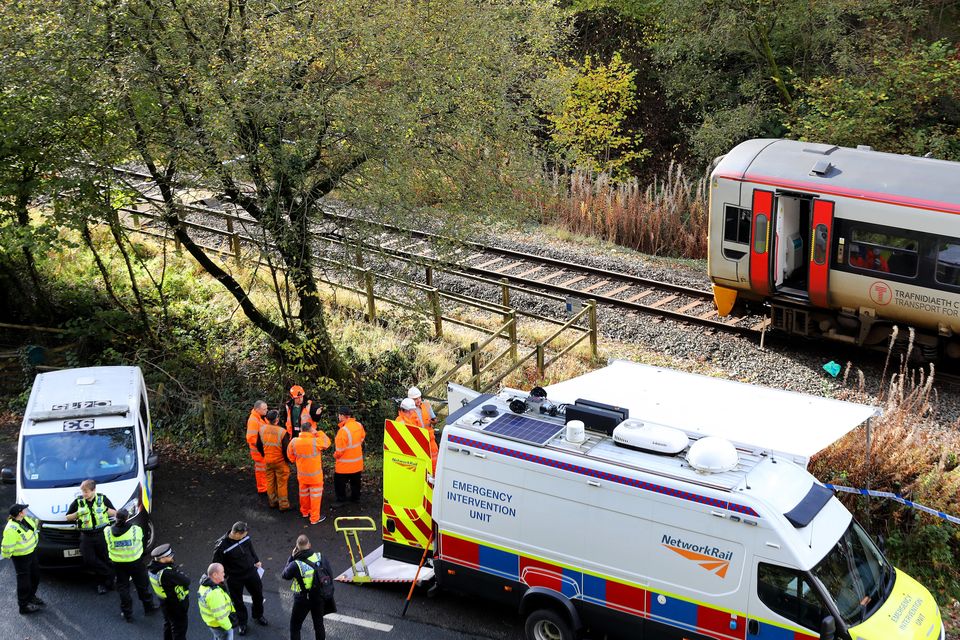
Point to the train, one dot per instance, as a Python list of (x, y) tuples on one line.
[(839, 243)]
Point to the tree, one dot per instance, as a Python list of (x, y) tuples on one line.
[(276, 106)]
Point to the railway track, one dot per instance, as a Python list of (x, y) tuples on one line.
[(521, 270)]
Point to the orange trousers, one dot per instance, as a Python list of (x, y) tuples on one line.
[(259, 472), (278, 476), (311, 495)]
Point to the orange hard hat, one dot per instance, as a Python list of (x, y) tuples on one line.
[(296, 391)]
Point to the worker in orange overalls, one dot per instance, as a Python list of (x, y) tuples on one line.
[(427, 417), (298, 411), (272, 443), (305, 451), (254, 422), (410, 416), (349, 456)]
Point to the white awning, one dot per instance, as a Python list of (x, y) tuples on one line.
[(787, 422)]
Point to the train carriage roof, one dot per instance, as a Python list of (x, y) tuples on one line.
[(860, 173)]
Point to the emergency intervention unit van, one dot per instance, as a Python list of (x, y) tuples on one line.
[(640, 502), (78, 424)]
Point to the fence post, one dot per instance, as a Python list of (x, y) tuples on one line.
[(539, 361), (504, 292), (437, 312), (475, 365), (592, 314), (207, 404), (136, 217), (371, 298), (512, 315), (429, 276), (234, 240)]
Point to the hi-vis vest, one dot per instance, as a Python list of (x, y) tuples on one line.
[(349, 441), (306, 572), (95, 518), (179, 591), (305, 450), (215, 606), (127, 547), (407, 496), (305, 417), (19, 539), (254, 422), (272, 438)]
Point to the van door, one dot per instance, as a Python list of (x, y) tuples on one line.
[(821, 238), (783, 603), (760, 261), (407, 494)]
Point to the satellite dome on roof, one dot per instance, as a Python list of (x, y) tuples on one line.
[(713, 455)]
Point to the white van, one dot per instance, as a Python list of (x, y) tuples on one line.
[(631, 527), (84, 423)]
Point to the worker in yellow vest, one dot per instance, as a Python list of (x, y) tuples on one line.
[(92, 512), (216, 607), (20, 538), (256, 420), (125, 548), (348, 455)]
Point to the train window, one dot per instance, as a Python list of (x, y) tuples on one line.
[(820, 244), (948, 263), (760, 234), (736, 225), (883, 252)]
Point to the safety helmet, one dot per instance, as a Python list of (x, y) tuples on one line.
[(413, 393), (296, 391), (407, 404)]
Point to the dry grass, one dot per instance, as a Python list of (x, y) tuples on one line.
[(667, 217)]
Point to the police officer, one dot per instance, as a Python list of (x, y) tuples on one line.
[(20, 538), (240, 561), (93, 511), (216, 608), (173, 589), (303, 567), (125, 548)]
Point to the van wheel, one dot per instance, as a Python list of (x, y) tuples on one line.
[(148, 536), (546, 624)]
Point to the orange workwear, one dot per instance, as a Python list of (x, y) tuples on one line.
[(272, 442), (254, 422), (349, 452), (425, 413), (305, 450), (411, 418), (305, 416)]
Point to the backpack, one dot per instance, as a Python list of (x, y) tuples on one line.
[(322, 580)]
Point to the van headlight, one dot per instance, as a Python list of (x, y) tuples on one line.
[(133, 504)]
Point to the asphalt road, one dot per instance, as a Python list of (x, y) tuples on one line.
[(194, 506)]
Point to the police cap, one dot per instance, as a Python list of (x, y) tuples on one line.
[(162, 551)]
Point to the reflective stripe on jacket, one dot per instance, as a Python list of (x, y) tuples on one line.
[(156, 581), (254, 422), (349, 442), (215, 606), (95, 518), (306, 572), (19, 539), (271, 438), (305, 450), (126, 547), (305, 416)]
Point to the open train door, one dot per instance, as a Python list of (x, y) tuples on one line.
[(821, 237), (760, 250)]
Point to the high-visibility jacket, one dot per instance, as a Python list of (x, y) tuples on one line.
[(273, 441), (410, 418), (426, 414), (126, 547), (254, 422), (93, 518), (349, 442), (306, 418), (215, 604), (156, 581), (306, 573), (20, 538), (305, 450)]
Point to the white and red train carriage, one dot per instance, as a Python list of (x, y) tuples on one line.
[(841, 243)]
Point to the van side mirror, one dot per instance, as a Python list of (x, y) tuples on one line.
[(828, 628), (153, 461), (7, 476)]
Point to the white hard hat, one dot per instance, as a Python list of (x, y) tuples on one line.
[(407, 404), (413, 393)]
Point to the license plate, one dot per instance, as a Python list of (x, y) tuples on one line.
[(71, 553)]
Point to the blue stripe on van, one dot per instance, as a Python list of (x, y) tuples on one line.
[(602, 475)]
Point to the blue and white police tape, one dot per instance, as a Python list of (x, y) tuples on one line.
[(897, 497)]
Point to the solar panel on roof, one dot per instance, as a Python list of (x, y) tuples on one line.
[(523, 429)]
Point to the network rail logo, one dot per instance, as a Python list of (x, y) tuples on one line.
[(710, 558)]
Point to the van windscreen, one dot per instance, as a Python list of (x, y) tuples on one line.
[(67, 459)]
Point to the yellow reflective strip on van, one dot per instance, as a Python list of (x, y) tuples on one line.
[(910, 613)]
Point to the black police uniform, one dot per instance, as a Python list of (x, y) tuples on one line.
[(175, 602)]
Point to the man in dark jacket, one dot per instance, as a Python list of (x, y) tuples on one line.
[(173, 589), (240, 562), (306, 568)]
